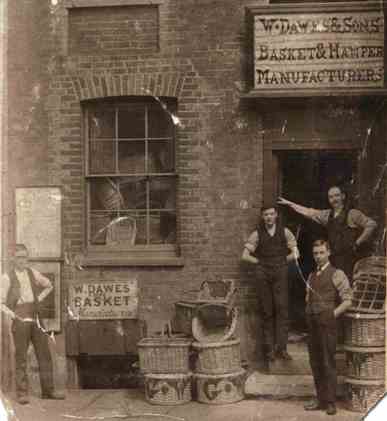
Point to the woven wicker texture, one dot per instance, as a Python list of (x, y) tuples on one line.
[(364, 329), (214, 323), (164, 355), (168, 389), (366, 363), (220, 389), (369, 286), (361, 396), (218, 357)]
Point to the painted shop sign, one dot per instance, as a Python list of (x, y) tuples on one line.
[(319, 50), (104, 300)]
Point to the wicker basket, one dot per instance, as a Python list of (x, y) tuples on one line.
[(369, 286), (164, 355), (364, 329), (218, 325), (363, 394), (365, 363), (218, 389), (218, 357), (168, 389)]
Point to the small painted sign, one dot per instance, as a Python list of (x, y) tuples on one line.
[(319, 50), (104, 300)]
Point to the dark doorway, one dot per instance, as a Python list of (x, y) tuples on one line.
[(304, 178)]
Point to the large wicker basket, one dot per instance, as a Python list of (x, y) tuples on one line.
[(364, 329), (218, 357), (367, 363), (363, 394), (218, 389), (214, 323), (164, 355), (168, 389)]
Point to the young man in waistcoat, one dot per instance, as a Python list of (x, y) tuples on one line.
[(271, 246), (348, 228), (328, 296), (23, 289)]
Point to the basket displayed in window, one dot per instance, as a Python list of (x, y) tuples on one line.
[(369, 285), (218, 357), (361, 395), (164, 355), (219, 389), (367, 363), (121, 231), (364, 329), (168, 389)]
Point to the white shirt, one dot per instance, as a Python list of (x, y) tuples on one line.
[(26, 294)]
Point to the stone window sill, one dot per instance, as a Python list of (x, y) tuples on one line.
[(70, 4)]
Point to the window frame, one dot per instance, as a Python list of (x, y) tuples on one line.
[(141, 254)]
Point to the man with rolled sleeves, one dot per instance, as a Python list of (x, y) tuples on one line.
[(23, 288), (328, 296), (271, 246), (348, 228)]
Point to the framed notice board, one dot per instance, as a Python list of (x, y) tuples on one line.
[(39, 221)]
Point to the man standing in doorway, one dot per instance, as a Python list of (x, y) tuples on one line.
[(326, 287), (271, 246), (348, 228), (23, 288)]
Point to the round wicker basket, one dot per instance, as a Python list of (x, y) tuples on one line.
[(214, 322), (367, 363), (164, 355), (218, 357), (363, 394), (364, 329), (220, 389), (168, 389)]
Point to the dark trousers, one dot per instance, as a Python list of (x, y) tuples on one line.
[(274, 305), (23, 334), (322, 338)]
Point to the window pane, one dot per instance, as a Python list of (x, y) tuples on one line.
[(131, 157), (122, 230), (98, 223), (133, 191), (101, 157), (160, 122), (141, 236), (162, 193), (131, 122), (161, 156), (101, 123), (105, 194), (162, 227)]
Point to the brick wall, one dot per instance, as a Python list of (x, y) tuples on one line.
[(219, 144), (113, 30)]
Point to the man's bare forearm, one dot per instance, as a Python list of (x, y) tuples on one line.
[(342, 308)]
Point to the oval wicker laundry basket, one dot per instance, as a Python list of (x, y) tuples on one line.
[(220, 389), (218, 357), (214, 322), (168, 389), (362, 329)]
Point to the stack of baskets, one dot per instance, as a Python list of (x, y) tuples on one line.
[(364, 333), (165, 365), (219, 377)]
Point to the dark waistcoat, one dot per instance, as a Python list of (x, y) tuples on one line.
[(14, 293), (272, 250), (341, 237), (323, 294)]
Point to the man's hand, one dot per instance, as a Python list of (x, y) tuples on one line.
[(283, 201)]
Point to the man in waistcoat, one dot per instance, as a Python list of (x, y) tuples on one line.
[(23, 288), (271, 246), (348, 229), (328, 296)]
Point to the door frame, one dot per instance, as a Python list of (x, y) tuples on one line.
[(271, 165)]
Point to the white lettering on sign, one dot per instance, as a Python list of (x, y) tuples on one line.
[(319, 50), (104, 300)]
